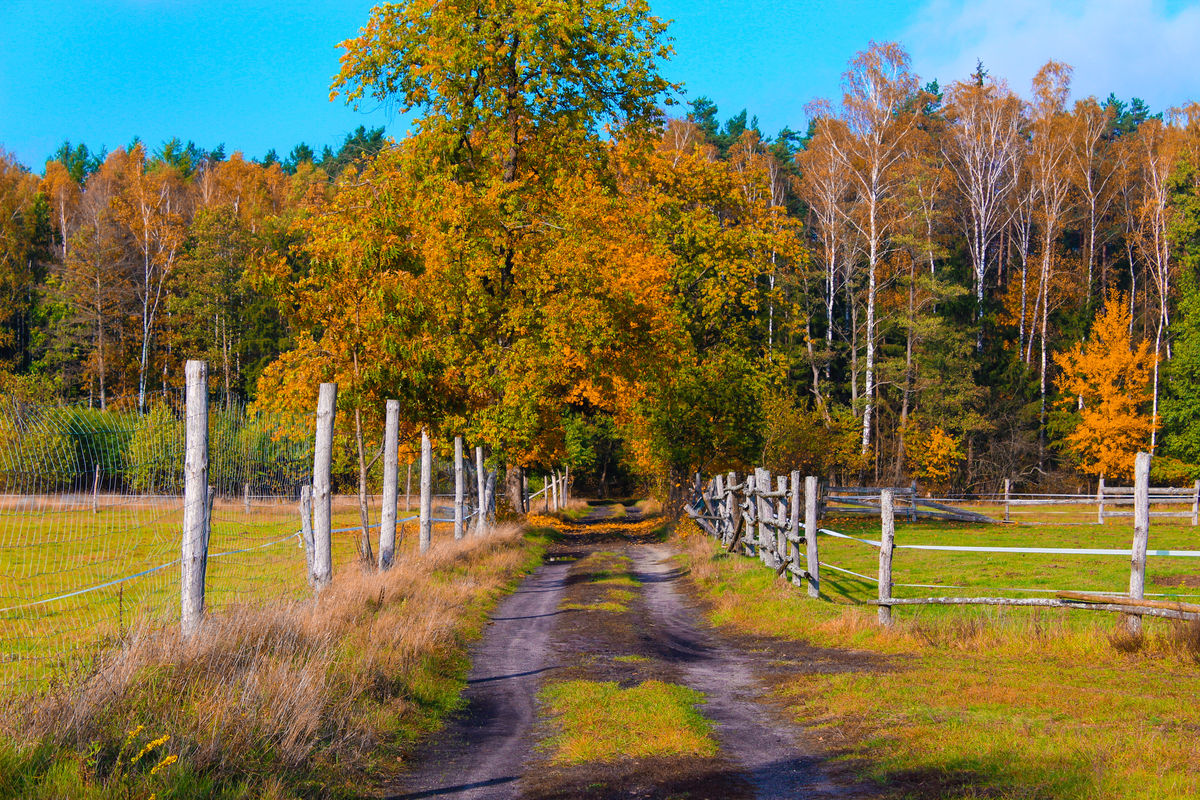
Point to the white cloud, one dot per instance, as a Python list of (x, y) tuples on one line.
[(1138, 48)]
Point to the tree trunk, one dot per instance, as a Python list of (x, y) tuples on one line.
[(512, 488)]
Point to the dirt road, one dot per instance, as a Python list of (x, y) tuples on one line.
[(552, 629)]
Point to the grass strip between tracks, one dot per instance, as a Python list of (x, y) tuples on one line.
[(600, 721)]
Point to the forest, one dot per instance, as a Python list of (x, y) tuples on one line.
[(575, 261)]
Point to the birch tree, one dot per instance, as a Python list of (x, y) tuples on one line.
[(878, 90), (1049, 170), (1092, 172), (151, 206), (983, 148), (1158, 146)]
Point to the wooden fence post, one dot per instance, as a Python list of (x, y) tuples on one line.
[(208, 507), (306, 529), (554, 485), (888, 543), (322, 486), (391, 481), (749, 545), (1141, 537), (718, 497), (1007, 492), (193, 555), (96, 491), (762, 483), (810, 536), (246, 497), (490, 493), (732, 513), (480, 492), (781, 528), (1100, 502), (458, 488), (566, 492), (794, 522), (1196, 504), (426, 522)]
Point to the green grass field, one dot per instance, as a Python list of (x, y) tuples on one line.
[(51, 551)]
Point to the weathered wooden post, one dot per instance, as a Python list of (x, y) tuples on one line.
[(546, 493), (718, 495), (208, 507), (1196, 504), (810, 536), (566, 491), (426, 522), (1141, 537), (1007, 491), (1100, 502), (480, 492), (322, 487), (749, 545), (794, 523), (459, 487), (782, 547), (306, 529), (732, 513), (193, 555), (246, 497), (888, 542), (554, 489), (490, 493), (95, 492), (391, 481), (762, 483)]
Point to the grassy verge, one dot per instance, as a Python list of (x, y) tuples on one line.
[(971, 703), (287, 700), (599, 721)]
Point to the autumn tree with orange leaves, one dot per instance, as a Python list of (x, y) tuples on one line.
[(1106, 394)]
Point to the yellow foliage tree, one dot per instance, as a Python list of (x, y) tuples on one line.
[(1105, 384), (933, 456)]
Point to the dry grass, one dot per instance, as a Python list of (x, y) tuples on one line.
[(651, 506), (296, 691)]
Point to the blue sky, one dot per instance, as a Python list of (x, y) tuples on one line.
[(255, 75)]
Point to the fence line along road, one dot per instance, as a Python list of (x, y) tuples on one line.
[(760, 519), (125, 517)]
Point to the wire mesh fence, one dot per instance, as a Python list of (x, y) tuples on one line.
[(90, 518)]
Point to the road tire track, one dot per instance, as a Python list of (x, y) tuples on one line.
[(481, 752)]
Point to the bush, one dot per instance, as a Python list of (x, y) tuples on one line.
[(36, 451), (154, 458)]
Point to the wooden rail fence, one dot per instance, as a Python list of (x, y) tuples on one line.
[(761, 518)]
